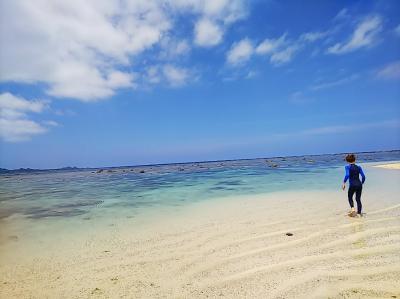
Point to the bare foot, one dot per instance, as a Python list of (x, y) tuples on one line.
[(353, 214)]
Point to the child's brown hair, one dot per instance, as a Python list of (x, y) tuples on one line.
[(351, 158)]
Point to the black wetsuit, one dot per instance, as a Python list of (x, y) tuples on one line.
[(353, 173)]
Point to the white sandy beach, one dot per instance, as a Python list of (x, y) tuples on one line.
[(389, 166), (236, 248)]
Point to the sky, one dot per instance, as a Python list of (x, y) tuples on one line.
[(110, 83)]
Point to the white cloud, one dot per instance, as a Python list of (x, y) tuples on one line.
[(269, 46), (240, 52), (299, 97), (172, 48), (182, 47), (14, 130), (214, 17), (226, 11), (175, 76), (364, 35), (390, 71), (285, 55), (14, 122), (281, 50), (325, 85), (51, 123), (152, 75), (355, 127), (76, 47), (251, 74), (314, 36), (11, 102), (86, 50), (397, 30), (207, 33), (77, 81), (342, 14), (63, 112)]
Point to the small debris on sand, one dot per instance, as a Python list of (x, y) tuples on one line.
[(96, 290)]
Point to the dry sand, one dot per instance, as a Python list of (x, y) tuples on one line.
[(389, 166), (234, 248)]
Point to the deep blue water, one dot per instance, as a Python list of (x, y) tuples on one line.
[(85, 192)]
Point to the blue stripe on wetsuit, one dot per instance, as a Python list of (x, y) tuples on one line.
[(347, 170)]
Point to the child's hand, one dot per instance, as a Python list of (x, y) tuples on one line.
[(343, 186)]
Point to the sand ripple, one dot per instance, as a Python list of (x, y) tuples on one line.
[(236, 250)]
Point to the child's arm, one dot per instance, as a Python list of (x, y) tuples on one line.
[(362, 175), (346, 177), (347, 173)]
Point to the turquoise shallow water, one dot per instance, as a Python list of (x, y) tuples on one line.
[(88, 193)]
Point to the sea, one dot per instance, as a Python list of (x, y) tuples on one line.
[(127, 191)]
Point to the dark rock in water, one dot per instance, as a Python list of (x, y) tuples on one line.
[(142, 171), (271, 163), (289, 234), (100, 171), (217, 188)]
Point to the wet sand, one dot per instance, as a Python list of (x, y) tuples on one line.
[(278, 245)]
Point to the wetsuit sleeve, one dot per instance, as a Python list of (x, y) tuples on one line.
[(347, 173), (362, 174)]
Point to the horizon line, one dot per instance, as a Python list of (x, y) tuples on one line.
[(203, 161)]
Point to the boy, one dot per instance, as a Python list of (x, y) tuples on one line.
[(353, 173)]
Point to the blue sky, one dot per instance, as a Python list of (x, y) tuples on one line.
[(105, 83)]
